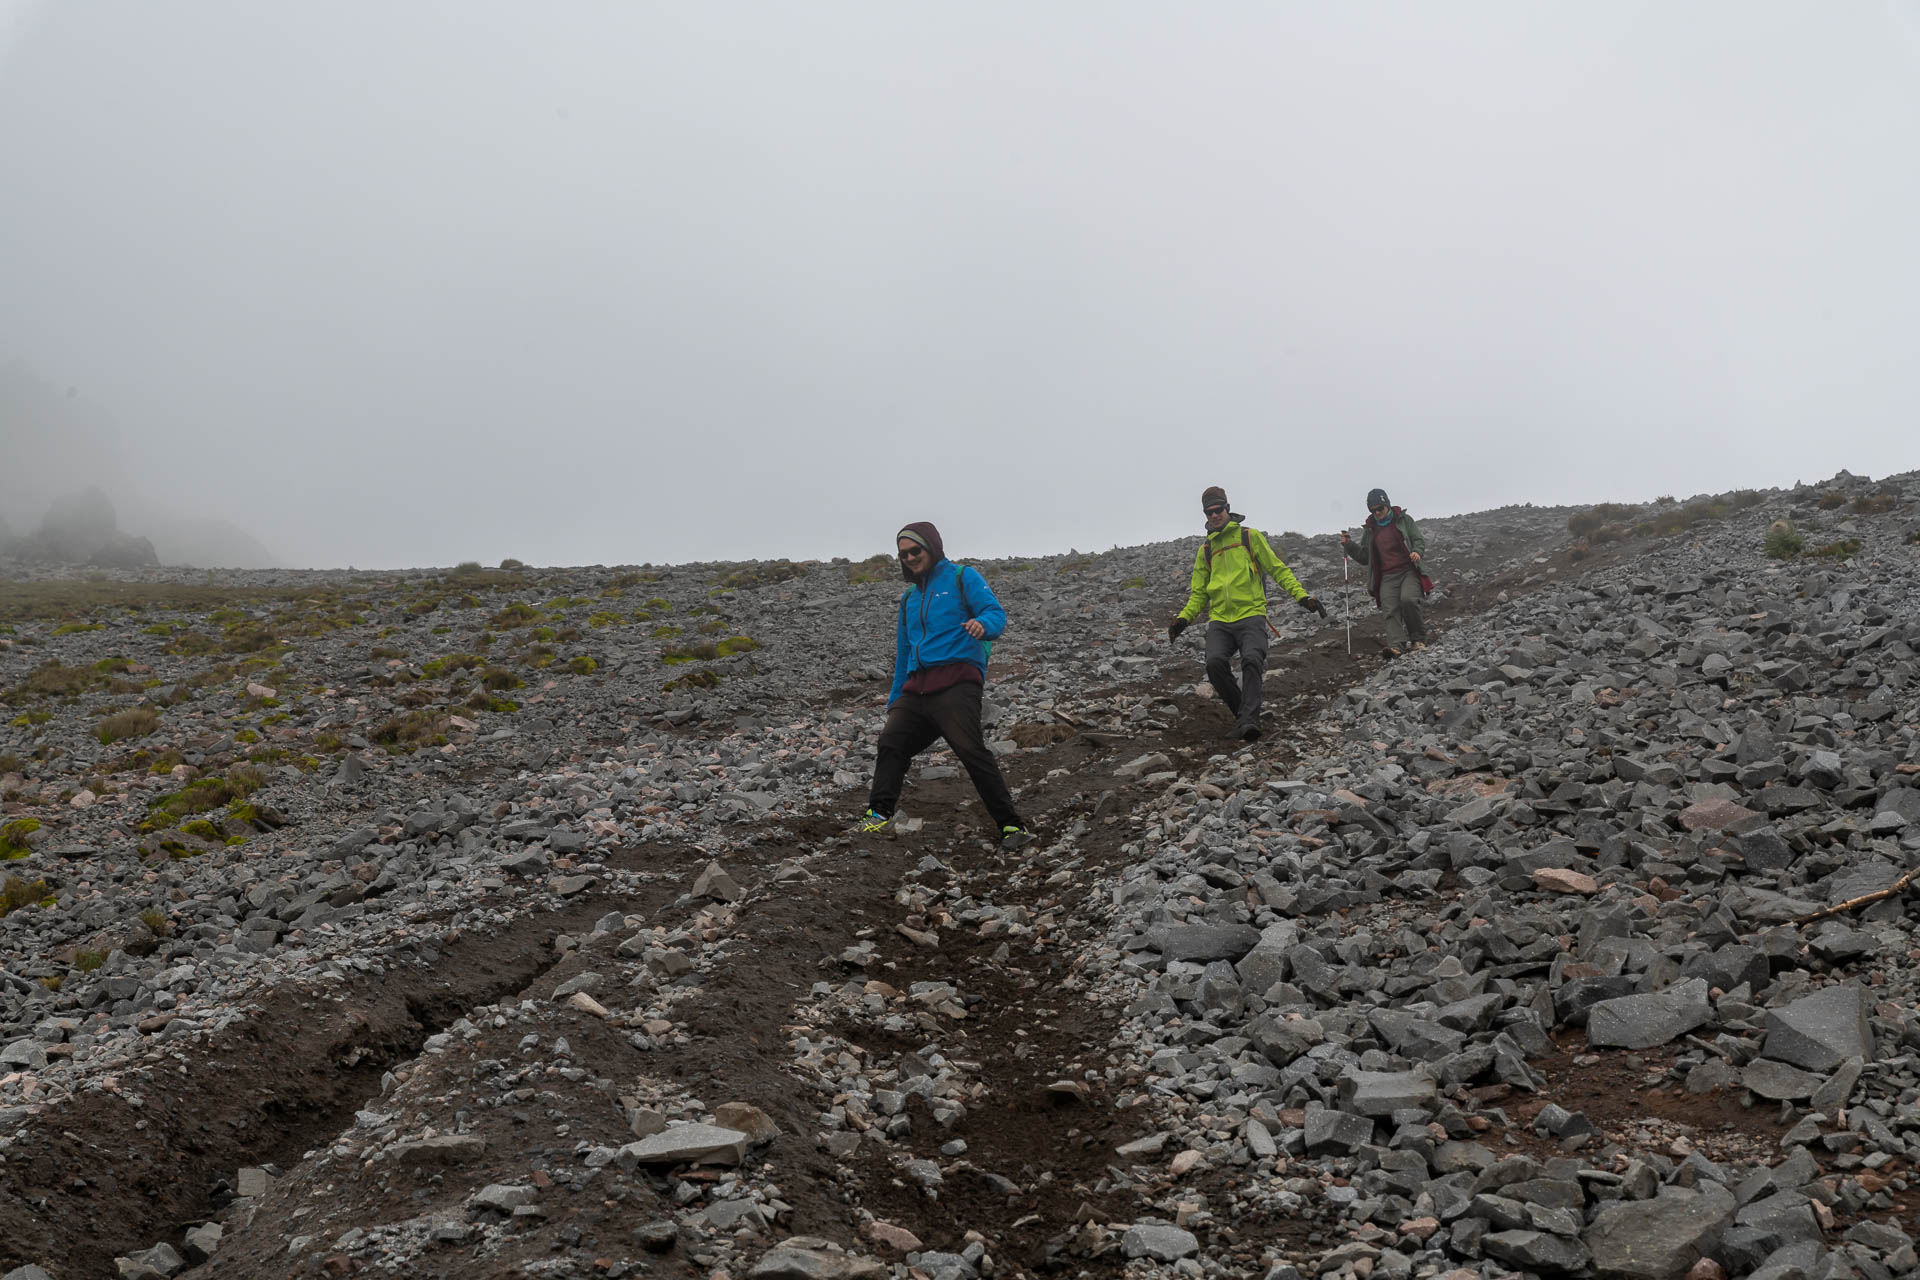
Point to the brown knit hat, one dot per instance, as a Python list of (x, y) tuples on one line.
[(1213, 496)]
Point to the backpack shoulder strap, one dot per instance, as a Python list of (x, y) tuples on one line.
[(960, 585), (1246, 545)]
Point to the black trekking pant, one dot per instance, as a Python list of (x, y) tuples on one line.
[(914, 721), (1248, 638)]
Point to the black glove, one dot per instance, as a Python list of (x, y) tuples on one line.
[(1312, 605), (1175, 627)]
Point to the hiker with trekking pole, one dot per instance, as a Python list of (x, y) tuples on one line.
[(1391, 547), (1230, 569)]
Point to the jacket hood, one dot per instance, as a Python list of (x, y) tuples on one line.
[(1233, 517), (922, 532)]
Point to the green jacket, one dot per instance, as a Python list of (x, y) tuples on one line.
[(1231, 587)]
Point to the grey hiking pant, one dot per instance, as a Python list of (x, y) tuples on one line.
[(1401, 601), (1248, 637)]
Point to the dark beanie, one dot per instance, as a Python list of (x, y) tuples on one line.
[(1213, 495), (1377, 498)]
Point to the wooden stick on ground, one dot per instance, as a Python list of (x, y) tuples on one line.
[(1840, 908)]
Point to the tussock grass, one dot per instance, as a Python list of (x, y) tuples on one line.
[(411, 731), (13, 838), (1583, 524), (1877, 504), (1831, 500), (203, 795), (135, 722), (1839, 550), (16, 893)]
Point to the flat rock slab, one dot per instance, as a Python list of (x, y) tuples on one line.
[(689, 1144), (1159, 1241), (1820, 1031), (1661, 1238), (1203, 941), (1535, 1251), (1381, 1093), (1643, 1021), (446, 1149), (1720, 815), (1779, 1082), (811, 1258), (1562, 880)]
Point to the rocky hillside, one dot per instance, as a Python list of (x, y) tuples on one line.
[(506, 923)]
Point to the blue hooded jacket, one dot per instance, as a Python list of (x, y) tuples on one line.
[(929, 633)]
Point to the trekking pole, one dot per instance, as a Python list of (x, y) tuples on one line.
[(1346, 596)]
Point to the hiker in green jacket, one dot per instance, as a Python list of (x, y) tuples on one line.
[(1229, 582), (1391, 546)]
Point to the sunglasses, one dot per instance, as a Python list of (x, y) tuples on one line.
[(1215, 511), (913, 554)]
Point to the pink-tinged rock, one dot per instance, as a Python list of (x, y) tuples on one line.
[(1561, 880), (1718, 815), (1707, 1269), (893, 1237), (1184, 1163), (1419, 1228)]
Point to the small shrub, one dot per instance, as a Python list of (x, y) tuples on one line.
[(1839, 550), (1665, 500), (1878, 504), (766, 574), (203, 795), (1746, 498), (539, 656), (736, 644), (510, 564), (411, 731), (1579, 552), (660, 604), (469, 568), (1607, 533), (53, 680), (88, 961), (156, 921), (451, 663), (701, 679), (1784, 542), (665, 632), (113, 666), (193, 644), (16, 893), (582, 665), (30, 719), (481, 700), (568, 635), (704, 651), (248, 639), (10, 763), (13, 837), (604, 619), (135, 722), (1133, 584), (71, 628), (1912, 539), (517, 614), (1831, 500), (873, 569)]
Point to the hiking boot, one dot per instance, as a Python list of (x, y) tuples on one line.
[(1389, 651), (872, 822), (1419, 644), (1015, 837), (1250, 735)]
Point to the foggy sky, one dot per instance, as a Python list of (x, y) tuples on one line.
[(392, 284)]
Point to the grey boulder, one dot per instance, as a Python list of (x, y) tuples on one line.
[(1659, 1239), (1643, 1021), (1820, 1031)]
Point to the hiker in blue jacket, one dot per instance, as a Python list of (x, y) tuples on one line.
[(947, 620)]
